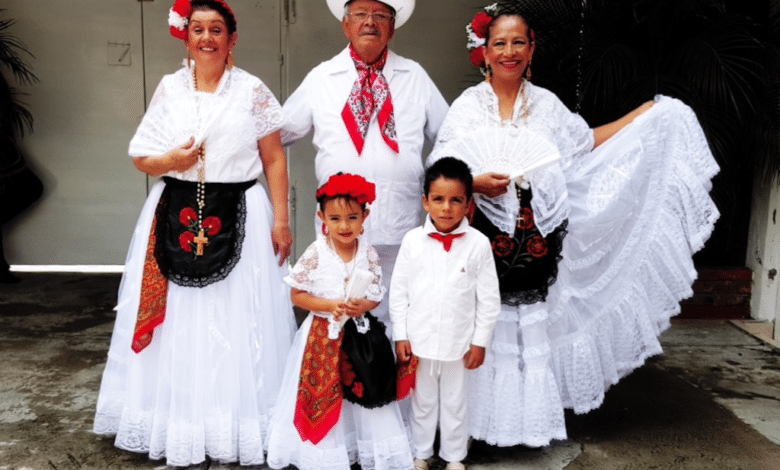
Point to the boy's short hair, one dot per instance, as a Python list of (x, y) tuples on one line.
[(452, 169)]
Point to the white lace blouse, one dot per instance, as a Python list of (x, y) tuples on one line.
[(478, 107), (230, 121), (321, 272)]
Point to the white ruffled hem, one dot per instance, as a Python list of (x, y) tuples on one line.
[(377, 438), (626, 267), (209, 380)]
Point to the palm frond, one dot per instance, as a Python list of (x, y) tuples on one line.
[(15, 117), (12, 51)]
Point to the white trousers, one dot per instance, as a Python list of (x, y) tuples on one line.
[(439, 397)]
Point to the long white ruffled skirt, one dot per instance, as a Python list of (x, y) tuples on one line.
[(640, 209), (208, 382), (376, 438)]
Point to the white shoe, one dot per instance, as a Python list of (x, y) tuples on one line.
[(455, 466)]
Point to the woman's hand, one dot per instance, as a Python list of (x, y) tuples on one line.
[(184, 157), (282, 240), (180, 158), (403, 349), (491, 184)]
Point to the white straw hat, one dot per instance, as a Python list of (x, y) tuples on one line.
[(403, 9)]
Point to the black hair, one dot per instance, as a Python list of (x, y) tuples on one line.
[(452, 169), (510, 8), (219, 7)]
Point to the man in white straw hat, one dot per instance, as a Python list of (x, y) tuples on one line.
[(371, 110)]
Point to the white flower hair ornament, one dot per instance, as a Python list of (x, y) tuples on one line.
[(178, 18), (477, 33)]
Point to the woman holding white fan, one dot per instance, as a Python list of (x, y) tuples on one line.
[(592, 232)]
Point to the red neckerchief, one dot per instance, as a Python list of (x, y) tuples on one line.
[(447, 239), (370, 91)]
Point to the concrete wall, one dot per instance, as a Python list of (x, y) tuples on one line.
[(763, 253), (85, 110), (99, 62)]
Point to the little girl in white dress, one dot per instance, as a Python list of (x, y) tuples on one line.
[(314, 426)]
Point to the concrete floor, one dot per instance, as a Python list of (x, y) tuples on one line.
[(711, 401)]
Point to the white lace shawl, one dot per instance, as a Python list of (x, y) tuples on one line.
[(231, 121), (548, 116), (322, 273)]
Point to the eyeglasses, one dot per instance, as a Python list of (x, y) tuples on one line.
[(378, 16)]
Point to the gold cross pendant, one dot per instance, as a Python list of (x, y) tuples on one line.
[(200, 240)]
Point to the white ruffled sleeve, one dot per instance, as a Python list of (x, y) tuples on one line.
[(266, 111), (303, 275)]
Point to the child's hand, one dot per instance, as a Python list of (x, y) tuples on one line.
[(338, 309), (403, 349), (357, 307), (474, 357)]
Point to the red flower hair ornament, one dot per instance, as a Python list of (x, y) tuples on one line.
[(179, 17), (347, 185), (477, 32)]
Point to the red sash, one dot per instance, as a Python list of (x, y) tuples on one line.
[(154, 296), (320, 393), (407, 377)]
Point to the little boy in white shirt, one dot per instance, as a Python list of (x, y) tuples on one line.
[(444, 303)]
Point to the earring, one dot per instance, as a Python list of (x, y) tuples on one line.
[(230, 60), (527, 73), (488, 73), (325, 230), (362, 230), (189, 59)]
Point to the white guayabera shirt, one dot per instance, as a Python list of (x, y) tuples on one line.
[(419, 110)]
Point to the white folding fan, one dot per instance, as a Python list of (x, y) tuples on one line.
[(510, 151), (357, 286)]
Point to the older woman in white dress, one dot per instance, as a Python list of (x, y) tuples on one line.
[(593, 250), (204, 320)]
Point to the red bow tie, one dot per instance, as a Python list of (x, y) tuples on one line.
[(446, 240)]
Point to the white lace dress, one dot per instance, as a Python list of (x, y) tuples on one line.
[(638, 207), (208, 382), (377, 438)]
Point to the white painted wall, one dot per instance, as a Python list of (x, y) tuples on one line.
[(86, 109), (763, 253)]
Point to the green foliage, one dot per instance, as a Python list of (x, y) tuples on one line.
[(603, 58), (15, 118)]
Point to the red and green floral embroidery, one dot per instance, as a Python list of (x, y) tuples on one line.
[(189, 218), (503, 246)]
